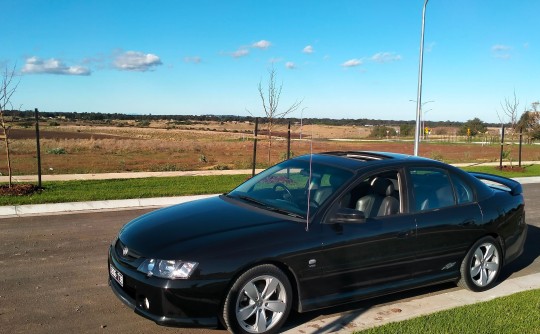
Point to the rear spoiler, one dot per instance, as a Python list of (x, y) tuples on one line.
[(512, 186)]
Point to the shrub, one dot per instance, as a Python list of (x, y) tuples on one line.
[(283, 155), (221, 167), (382, 132), (57, 150), (437, 156)]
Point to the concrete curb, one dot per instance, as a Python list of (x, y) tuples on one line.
[(399, 311), (78, 207)]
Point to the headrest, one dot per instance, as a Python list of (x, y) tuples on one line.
[(335, 181), (382, 186)]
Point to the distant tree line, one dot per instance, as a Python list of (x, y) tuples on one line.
[(405, 126)]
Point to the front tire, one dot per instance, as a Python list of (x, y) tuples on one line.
[(482, 265), (258, 302)]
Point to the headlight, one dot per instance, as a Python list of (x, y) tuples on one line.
[(172, 269)]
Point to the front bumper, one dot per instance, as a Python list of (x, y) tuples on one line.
[(180, 303)]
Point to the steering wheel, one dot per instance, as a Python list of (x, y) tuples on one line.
[(287, 190)]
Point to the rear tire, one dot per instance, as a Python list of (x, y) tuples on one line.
[(481, 266), (259, 301)]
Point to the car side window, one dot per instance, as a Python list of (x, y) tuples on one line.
[(464, 193), (432, 189), (375, 196)]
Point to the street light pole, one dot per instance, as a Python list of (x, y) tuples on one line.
[(422, 121), (419, 91)]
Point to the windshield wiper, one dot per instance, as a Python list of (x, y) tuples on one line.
[(269, 207), (252, 200), (283, 211)]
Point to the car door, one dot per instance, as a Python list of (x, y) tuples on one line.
[(447, 220), (363, 257)]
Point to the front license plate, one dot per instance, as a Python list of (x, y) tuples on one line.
[(116, 275)]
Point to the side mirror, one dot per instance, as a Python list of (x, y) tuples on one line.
[(347, 216)]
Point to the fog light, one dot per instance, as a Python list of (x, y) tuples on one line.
[(146, 303)]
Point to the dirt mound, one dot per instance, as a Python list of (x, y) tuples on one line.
[(18, 190), (47, 134)]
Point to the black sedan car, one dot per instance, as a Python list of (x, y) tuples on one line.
[(316, 231)]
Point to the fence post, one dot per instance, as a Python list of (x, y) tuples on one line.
[(520, 144), (289, 141), (502, 145), (38, 148), (255, 146)]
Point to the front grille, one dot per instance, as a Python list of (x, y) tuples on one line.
[(124, 254)]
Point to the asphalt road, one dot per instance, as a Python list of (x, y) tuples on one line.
[(53, 275)]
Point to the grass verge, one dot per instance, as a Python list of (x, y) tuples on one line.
[(517, 313), (527, 170), (96, 190)]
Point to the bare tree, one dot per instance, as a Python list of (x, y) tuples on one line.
[(510, 110), (270, 102), (7, 90), (535, 105)]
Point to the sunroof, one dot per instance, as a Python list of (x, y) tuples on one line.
[(360, 155)]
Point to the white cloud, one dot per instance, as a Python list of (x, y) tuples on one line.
[(385, 57), (352, 63), (262, 44), (244, 50), (501, 51), (136, 61), (500, 48), (240, 53), (35, 65), (275, 60), (195, 59), (526, 45), (290, 65), (308, 49), (430, 46)]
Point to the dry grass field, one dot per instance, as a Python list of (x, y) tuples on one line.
[(163, 146)]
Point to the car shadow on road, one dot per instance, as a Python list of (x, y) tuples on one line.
[(348, 312), (531, 252)]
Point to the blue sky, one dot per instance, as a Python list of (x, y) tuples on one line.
[(344, 59)]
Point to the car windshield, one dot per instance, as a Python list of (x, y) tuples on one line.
[(288, 187)]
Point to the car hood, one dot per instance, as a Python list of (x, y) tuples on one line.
[(196, 224)]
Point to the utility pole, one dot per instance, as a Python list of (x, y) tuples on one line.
[(419, 91)]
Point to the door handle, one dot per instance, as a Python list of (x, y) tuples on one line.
[(405, 234), (469, 222)]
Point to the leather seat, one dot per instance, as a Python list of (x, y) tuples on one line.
[(323, 193), (381, 201)]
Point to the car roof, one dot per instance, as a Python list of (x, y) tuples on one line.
[(358, 159)]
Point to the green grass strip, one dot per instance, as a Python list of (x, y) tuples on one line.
[(95, 190), (518, 313), (527, 170)]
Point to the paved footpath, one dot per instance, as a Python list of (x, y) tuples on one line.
[(138, 175), (126, 175)]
